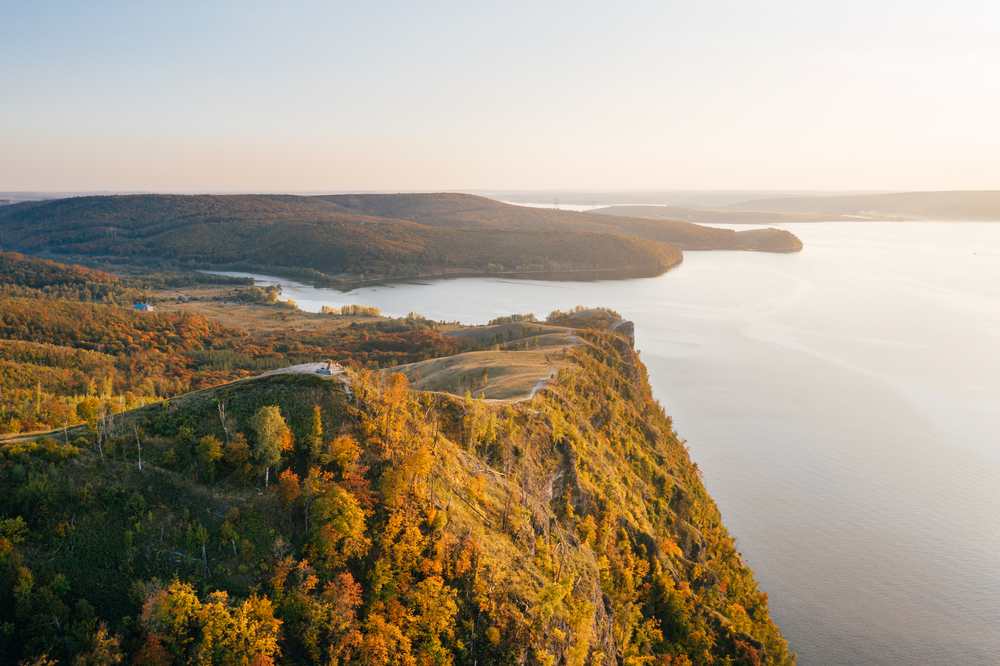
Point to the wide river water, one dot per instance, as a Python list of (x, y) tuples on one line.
[(843, 403)]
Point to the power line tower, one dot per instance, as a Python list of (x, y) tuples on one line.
[(556, 201)]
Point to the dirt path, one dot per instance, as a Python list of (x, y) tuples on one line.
[(311, 369), (540, 384), (307, 369)]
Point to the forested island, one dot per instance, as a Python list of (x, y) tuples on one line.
[(500, 494)]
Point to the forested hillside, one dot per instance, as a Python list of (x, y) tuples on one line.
[(283, 521), (36, 273), (307, 233), (73, 342), (59, 359), (464, 210)]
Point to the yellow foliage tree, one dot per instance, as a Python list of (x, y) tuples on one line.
[(273, 438), (215, 632)]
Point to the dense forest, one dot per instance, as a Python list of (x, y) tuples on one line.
[(17, 269), (285, 521), (308, 233)]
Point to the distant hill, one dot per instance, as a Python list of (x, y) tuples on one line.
[(464, 210), (15, 268), (711, 216), (975, 206), (306, 233)]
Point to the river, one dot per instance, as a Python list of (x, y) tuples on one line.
[(843, 404)]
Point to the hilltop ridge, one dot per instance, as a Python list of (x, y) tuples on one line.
[(465, 210)]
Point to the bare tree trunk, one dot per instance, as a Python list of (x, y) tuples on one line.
[(138, 444), (222, 418)]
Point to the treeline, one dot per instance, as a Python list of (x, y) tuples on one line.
[(265, 296), (352, 309), (510, 319), (390, 529)]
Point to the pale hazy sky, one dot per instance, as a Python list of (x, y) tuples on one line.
[(296, 96)]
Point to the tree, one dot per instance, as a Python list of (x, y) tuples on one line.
[(273, 437), (208, 450), (105, 649), (316, 433), (216, 631), (238, 455)]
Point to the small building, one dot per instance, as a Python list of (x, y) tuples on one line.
[(330, 369), (143, 307)]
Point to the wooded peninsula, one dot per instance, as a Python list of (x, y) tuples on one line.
[(333, 239)]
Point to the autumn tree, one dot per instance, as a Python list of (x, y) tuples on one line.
[(215, 631), (104, 649), (316, 433), (273, 438), (208, 450), (238, 455)]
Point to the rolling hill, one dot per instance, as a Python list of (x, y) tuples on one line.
[(972, 205), (307, 233), (711, 215), (383, 235), (464, 210)]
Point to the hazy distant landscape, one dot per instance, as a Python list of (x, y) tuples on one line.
[(981, 206)]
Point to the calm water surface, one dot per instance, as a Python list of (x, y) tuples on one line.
[(844, 405)]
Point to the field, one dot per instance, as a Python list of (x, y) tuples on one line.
[(216, 303), (503, 374)]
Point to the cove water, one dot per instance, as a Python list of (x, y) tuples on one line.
[(843, 404)]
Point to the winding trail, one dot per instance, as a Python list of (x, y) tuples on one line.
[(540, 384), (312, 369)]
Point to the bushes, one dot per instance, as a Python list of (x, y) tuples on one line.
[(41, 449)]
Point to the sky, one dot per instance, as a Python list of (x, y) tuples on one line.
[(397, 96)]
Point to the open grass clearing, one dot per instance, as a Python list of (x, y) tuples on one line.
[(509, 375)]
